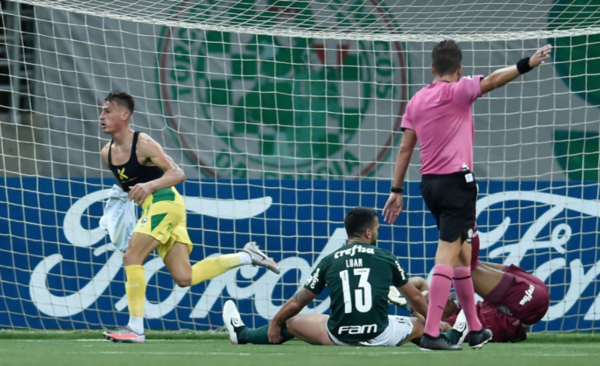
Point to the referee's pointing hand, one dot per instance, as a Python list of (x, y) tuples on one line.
[(393, 208), (540, 56)]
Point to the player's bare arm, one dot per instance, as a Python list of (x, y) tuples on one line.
[(420, 283), (393, 207), (290, 309), (507, 74), (414, 297), (104, 154), (151, 153)]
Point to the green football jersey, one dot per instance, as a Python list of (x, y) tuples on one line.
[(358, 276)]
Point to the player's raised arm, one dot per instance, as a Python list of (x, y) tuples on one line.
[(290, 309), (507, 74), (149, 149)]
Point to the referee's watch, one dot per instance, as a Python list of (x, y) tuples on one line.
[(397, 190)]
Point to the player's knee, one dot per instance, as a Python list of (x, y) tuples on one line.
[(131, 258), (289, 324), (183, 280)]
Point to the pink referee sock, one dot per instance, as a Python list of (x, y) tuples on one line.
[(438, 296), (463, 284)]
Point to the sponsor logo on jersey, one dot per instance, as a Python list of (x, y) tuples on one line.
[(401, 270), (358, 329), (313, 279), (352, 251), (122, 175), (528, 295)]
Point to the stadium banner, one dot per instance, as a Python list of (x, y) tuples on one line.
[(59, 270), (198, 93)]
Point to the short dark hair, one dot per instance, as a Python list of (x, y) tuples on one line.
[(123, 98), (446, 57), (358, 220)]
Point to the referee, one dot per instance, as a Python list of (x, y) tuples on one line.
[(440, 117)]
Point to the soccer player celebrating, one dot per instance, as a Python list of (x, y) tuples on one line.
[(440, 117), (142, 169), (358, 276)]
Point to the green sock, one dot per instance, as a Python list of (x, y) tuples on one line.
[(452, 336), (259, 335)]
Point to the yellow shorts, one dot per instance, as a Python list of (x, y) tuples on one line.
[(164, 219)]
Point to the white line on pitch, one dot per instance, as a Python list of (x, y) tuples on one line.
[(104, 340), (178, 353), (557, 355)]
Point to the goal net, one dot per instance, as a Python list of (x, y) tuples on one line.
[(284, 115)]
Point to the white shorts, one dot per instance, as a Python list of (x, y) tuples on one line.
[(396, 332)]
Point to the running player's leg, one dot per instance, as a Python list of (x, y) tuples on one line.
[(311, 328), (177, 261), (162, 211), (140, 246)]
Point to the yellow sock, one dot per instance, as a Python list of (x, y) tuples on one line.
[(212, 267), (135, 287)]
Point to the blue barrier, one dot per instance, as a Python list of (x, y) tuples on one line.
[(58, 270)]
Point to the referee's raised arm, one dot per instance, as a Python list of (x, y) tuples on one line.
[(507, 74), (439, 116)]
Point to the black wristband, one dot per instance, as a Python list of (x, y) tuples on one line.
[(397, 190), (523, 65)]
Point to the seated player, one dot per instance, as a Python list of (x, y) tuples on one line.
[(513, 300), (358, 276)]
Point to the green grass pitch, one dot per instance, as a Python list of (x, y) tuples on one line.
[(164, 349)]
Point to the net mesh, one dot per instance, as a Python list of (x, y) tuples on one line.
[(285, 115)]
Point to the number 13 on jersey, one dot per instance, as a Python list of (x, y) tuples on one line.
[(362, 295)]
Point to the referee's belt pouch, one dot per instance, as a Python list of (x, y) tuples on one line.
[(469, 178)]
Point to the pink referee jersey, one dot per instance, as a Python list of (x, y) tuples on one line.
[(440, 114)]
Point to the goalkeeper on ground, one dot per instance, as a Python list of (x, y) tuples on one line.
[(143, 170), (513, 301), (358, 276)]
